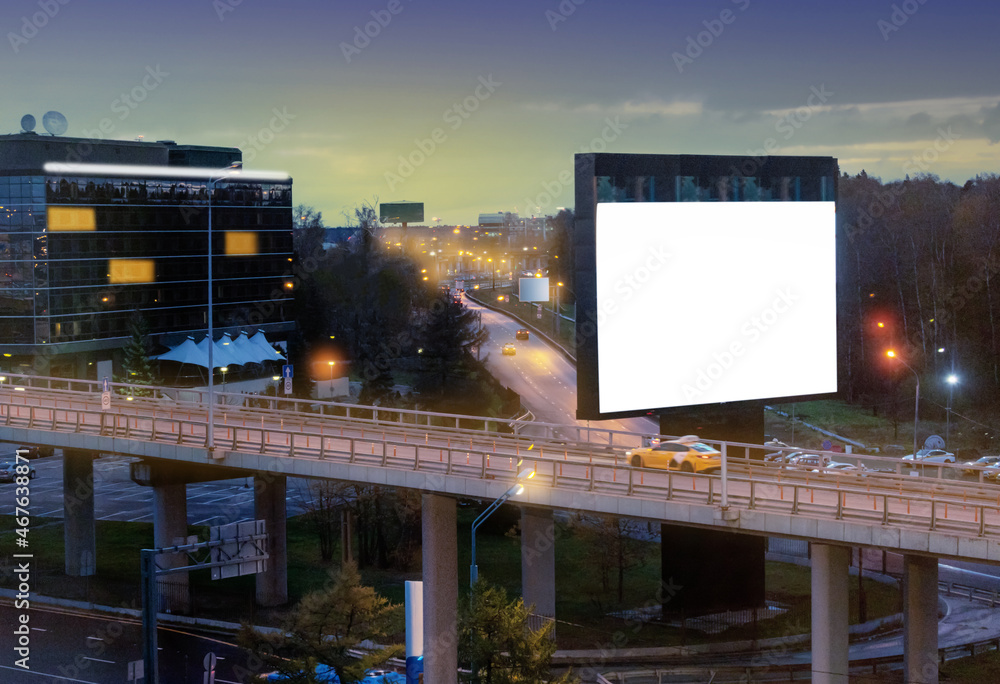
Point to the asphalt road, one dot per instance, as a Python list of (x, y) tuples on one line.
[(542, 376), (66, 645)]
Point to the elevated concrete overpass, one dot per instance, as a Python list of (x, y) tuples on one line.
[(448, 456)]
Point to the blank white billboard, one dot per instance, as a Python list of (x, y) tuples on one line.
[(709, 302), (533, 289)]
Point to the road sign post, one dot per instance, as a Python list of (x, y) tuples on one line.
[(287, 373)]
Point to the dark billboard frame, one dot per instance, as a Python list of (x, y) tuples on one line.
[(652, 178), (401, 212)]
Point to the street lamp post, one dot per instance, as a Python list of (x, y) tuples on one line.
[(210, 187), (516, 489), (952, 379), (916, 404), (558, 310), (331, 364)]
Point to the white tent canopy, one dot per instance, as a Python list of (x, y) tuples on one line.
[(268, 352), (186, 352), (226, 352)]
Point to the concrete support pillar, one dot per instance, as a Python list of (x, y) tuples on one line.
[(440, 577), (920, 619), (269, 506), (170, 529), (79, 535), (538, 561), (346, 536), (829, 613)]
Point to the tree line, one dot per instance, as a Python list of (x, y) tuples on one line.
[(918, 272)]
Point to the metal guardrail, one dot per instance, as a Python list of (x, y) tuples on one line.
[(402, 439)]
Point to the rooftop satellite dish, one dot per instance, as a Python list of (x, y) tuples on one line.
[(54, 122), (934, 442), (27, 123)]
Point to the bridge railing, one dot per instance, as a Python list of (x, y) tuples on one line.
[(965, 509), (125, 399)]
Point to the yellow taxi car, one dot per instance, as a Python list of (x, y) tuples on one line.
[(684, 453)]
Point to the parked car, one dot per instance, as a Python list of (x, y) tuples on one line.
[(982, 462), (809, 462), (930, 456), (684, 453), (9, 470), (991, 472), (783, 457), (509, 349), (326, 675), (836, 468), (36, 451)]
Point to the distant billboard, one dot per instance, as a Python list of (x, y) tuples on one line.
[(401, 212), (687, 303), (533, 289)]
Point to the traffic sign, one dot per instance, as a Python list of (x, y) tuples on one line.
[(135, 670), (209, 662), (286, 371), (105, 401), (288, 384), (105, 384)]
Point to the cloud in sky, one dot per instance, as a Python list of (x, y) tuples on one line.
[(604, 75)]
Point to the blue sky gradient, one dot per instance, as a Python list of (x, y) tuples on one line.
[(889, 87)]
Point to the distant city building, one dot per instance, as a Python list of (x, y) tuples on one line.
[(92, 230)]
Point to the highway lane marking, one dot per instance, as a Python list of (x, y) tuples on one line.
[(53, 677), (99, 660), (141, 517)]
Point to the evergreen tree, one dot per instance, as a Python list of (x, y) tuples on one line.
[(497, 645), (328, 628), (136, 368)]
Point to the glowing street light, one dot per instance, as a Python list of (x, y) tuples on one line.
[(952, 379), (916, 404), (515, 490), (226, 174)]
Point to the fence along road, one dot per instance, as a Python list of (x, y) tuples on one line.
[(465, 456)]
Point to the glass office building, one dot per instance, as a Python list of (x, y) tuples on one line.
[(86, 243)]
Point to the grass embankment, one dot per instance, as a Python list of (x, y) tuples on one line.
[(860, 424), (582, 604)]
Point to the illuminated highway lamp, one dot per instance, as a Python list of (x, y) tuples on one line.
[(229, 171), (516, 490), (952, 379), (891, 353)]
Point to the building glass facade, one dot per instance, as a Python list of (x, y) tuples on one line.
[(82, 251)]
